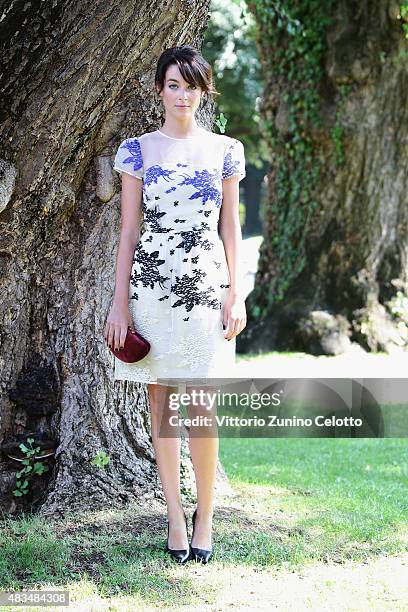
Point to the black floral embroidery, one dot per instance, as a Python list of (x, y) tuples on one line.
[(149, 270), (194, 291), (194, 237), (189, 293), (152, 219)]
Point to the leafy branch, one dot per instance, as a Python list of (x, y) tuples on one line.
[(31, 468)]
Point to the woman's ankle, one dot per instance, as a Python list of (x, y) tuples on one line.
[(204, 516), (175, 513)]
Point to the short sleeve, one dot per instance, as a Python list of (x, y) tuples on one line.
[(128, 158), (234, 160)]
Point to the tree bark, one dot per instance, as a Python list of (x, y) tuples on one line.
[(76, 79), (333, 265)]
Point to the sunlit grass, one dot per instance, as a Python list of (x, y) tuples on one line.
[(297, 502)]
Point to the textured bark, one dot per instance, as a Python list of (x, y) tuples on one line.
[(76, 79), (356, 245)]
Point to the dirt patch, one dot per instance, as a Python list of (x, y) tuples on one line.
[(378, 584)]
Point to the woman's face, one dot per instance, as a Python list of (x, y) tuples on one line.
[(179, 97)]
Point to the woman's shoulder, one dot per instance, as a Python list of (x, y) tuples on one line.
[(230, 140), (223, 140)]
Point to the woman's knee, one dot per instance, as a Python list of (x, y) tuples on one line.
[(159, 402), (157, 395)]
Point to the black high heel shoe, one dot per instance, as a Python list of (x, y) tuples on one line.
[(199, 554), (180, 555)]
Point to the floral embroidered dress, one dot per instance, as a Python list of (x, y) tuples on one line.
[(180, 279)]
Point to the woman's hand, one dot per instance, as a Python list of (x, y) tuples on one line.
[(234, 316), (117, 323)]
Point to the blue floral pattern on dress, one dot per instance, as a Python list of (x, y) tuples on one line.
[(179, 278), (233, 161), (135, 158), (203, 181), (153, 173)]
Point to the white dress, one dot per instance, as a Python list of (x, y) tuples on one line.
[(179, 279)]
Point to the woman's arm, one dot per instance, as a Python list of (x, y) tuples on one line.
[(119, 317), (234, 316)]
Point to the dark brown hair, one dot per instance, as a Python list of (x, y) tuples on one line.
[(194, 69)]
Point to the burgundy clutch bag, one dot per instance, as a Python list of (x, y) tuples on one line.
[(136, 347)]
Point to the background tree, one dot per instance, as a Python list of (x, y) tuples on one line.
[(76, 79), (230, 47), (333, 265)]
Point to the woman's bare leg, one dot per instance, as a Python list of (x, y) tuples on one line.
[(167, 451), (204, 445)]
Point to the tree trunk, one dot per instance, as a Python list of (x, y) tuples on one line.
[(333, 265), (76, 79)]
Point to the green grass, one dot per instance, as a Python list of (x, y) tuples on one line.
[(344, 498), (103, 557), (296, 502)]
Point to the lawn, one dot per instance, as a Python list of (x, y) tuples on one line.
[(302, 514), (344, 498)]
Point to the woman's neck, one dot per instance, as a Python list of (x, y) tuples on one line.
[(180, 130)]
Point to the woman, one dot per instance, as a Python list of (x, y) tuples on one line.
[(179, 283)]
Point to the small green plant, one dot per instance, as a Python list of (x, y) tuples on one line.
[(31, 467), (101, 459), (337, 134), (221, 122)]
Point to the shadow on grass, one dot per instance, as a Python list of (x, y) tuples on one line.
[(122, 552), (294, 502)]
